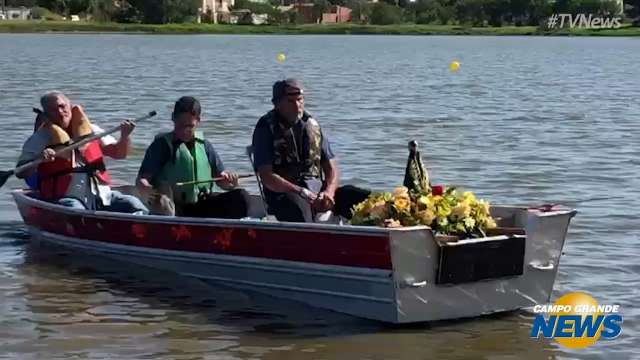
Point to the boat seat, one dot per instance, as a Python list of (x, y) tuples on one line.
[(263, 200)]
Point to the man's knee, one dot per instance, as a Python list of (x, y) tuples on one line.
[(233, 204), (290, 213), (290, 208), (72, 203), (239, 203), (239, 194), (127, 203)]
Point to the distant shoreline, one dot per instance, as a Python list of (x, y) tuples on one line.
[(12, 26)]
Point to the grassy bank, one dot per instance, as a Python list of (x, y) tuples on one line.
[(408, 29)]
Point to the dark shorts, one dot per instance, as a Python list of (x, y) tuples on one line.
[(293, 208), (226, 205)]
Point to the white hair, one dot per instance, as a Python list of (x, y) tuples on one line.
[(46, 98)]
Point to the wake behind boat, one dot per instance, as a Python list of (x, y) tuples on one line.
[(394, 275)]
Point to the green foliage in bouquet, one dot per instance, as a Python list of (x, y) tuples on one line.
[(450, 213)]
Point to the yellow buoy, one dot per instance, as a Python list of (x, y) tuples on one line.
[(281, 57), (454, 66)]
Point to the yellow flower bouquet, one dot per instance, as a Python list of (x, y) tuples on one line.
[(447, 212)]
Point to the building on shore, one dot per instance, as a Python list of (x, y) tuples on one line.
[(216, 10), (337, 15), (305, 10), (15, 13), (245, 17)]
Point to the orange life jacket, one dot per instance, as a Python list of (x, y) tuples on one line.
[(56, 178)]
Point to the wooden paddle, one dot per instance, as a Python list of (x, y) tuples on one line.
[(242, 176), (4, 175)]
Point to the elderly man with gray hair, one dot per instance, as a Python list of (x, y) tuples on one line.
[(78, 179)]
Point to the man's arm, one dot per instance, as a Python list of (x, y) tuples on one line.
[(326, 198), (154, 159), (275, 182), (332, 176), (32, 149), (230, 179), (329, 167), (120, 149)]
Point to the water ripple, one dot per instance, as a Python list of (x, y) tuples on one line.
[(525, 121)]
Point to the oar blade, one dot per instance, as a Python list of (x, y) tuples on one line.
[(4, 176)]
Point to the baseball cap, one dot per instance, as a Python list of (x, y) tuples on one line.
[(286, 87)]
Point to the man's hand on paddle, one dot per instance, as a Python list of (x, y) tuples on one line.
[(48, 155), (320, 202), (229, 180), (324, 202), (143, 182), (126, 128), (308, 195)]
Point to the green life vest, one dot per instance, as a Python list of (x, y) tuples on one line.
[(186, 165)]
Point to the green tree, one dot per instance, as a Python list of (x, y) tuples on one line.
[(516, 11), (127, 13), (594, 6), (246, 19), (278, 17), (319, 8), (427, 11), (179, 11), (561, 6), (151, 11), (294, 17), (360, 10), (57, 6), (539, 11), (77, 7), (39, 13), (167, 11), (633, 10), (496, 11), (385, 14), (470, 12), (446, 14), (610, 8), (17, 3), (102, 10)]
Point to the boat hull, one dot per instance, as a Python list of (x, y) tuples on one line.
[(389, 275)]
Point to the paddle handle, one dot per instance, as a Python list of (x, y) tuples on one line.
[(76, 145), (243, 176)]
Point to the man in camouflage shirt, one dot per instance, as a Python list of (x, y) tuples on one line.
[(295, 162)]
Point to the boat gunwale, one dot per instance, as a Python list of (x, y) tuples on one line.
[(21, 196)]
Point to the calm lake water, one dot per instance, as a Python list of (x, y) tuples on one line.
[(524, 121)]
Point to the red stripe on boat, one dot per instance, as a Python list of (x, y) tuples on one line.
[(364, 250)]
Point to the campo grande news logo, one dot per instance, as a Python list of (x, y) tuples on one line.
[(577, 321)]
